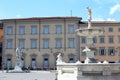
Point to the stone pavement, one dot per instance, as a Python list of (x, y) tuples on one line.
[(33, 75)]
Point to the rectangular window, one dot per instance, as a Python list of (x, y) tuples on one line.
[(46, 29), (58, 43), (71, 60), (110, 29), (101, 39), (23, 61), (118, 39), (111, 39), (94, 40), (33, 63), (83, 39), (34, 29), (21, 43), (95, 53), (46, 63), (102, 51), (118, 29), (58, 29), (9, 63), (111, 51), (71, 29), (21, 30), (9, 30), (33, 43), (9, 44), (46, 43), (71, 43)]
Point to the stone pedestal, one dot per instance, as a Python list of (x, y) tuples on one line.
[(107, 71), (91, 71)]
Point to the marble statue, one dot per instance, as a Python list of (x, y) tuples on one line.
[(59, 58), (86, 49), (18, 52), (19, 57), (19, 65), (89, 17)]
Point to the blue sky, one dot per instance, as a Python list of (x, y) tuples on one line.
[(102, 10)]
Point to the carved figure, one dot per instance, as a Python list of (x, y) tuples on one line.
[(59, 58), (89, 17)]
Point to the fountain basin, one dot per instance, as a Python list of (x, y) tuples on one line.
[(90, 32), (78, 71)]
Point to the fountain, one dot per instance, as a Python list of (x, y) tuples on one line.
[(89, 33), (91, 69)]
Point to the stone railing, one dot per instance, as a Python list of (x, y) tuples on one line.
[(75, 70)]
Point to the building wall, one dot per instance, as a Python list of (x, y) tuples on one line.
[(39, 53), (1, 34), (116, 44)]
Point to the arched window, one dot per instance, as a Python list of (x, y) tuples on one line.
[(9, 63), (33, 63)]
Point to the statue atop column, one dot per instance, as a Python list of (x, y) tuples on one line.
[(89, 17)]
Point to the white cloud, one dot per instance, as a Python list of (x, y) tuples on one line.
[(110, 19), (114, 9)]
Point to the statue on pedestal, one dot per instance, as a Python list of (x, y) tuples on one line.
[(89, 17), (59, 58), (18, 57), (18, 65)]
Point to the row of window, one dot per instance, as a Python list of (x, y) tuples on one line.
[(103, 51), (58, 43), (112, 29), (101, 39), (45, 29), (34, 63)]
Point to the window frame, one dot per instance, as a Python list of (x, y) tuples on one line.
[(44, 43), (58, 29), (102, 39), (69, 43), (83, 40), (9, 59), (9, 44), (110, 29), (111, 39), (46, 29), (22, 44), (102, 51), (70, 29), (34, 29), (118, 39), (33, 43), (21, 30), (111, 50), (9, 30), (35, 63), (58, 43), (94, 40)]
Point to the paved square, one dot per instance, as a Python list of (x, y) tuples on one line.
[(33, 75)]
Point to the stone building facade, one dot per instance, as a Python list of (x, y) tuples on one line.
[(1, 35), (107, 46), (41, 39)]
